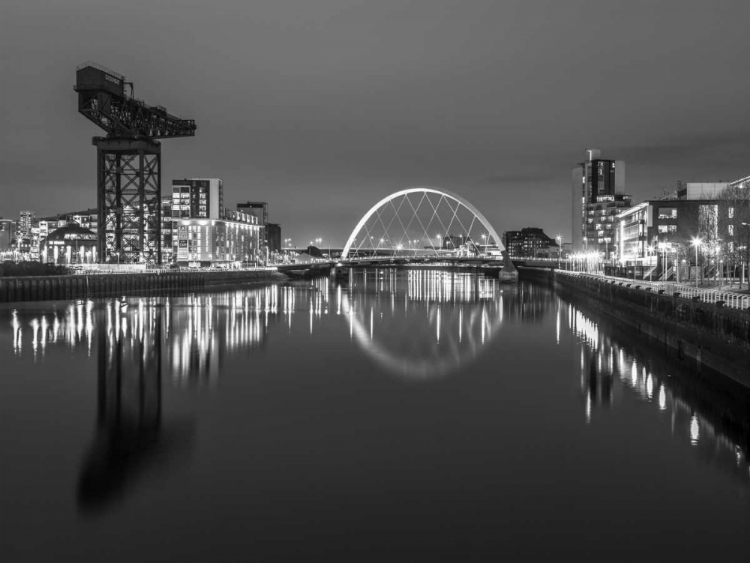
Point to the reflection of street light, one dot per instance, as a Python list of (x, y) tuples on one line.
[(696, 242)]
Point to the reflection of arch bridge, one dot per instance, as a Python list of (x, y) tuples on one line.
[(422, 325), (424, 223)]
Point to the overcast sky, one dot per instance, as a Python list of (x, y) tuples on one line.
[(321, 108)]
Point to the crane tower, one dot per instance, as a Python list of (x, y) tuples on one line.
[(128, 175)]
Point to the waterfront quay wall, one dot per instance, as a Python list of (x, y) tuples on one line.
[(43, 288), (710, 334)]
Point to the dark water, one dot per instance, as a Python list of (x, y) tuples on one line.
[(396, 418)]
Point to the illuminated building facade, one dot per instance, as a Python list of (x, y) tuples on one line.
[(270, 232), (207, 242), (7, 234), (25, 223), (70, 245), (598, 187), (197, 198), (658, 230), (529, 242), (167, 250), (194, 198), (257, 208)]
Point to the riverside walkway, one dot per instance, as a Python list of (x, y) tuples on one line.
[(733, 299)]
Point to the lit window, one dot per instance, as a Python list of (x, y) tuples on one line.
[(731, 230), (731, 212), (667, 213)]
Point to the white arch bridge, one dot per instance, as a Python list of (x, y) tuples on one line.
[(424, 224)]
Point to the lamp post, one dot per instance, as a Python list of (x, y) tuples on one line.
[(696, 242), (558, 238)]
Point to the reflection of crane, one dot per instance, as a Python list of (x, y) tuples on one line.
[(128, 163), (130, 440)]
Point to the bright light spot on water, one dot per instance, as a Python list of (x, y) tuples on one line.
[(694, 430), (662, 398)]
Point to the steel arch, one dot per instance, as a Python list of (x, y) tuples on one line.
[(424, 189)]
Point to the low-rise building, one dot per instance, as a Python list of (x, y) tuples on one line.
[(530, 242), (71, 244), (7, 235), (660, 235), (233, 239)]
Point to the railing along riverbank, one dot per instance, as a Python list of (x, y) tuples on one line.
[(101, 284), (729, 298)]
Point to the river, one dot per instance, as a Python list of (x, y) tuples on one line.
[(399, 415)]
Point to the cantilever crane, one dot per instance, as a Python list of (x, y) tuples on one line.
[(128, 163)]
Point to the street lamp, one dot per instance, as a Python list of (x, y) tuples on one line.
[(696, 242), (558, 239)]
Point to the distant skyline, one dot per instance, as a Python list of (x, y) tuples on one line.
[(321, 108)]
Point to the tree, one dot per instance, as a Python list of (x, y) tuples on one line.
[(735, 219)]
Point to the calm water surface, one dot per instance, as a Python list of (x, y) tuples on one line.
[(398, 417)]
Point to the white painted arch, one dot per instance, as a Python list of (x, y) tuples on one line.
[(423, 189)]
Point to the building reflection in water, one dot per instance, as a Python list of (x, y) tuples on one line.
[(696, 414), (417, 324), (203, 328), (421, 324), (72, 326)]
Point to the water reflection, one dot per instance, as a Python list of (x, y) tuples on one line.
[(131, 440), (712, 422), (415, 324), (421, 324)]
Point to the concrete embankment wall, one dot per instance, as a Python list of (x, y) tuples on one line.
[(42, 288), (714, 336)]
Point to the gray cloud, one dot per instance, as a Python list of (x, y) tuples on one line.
[(322, 107)]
